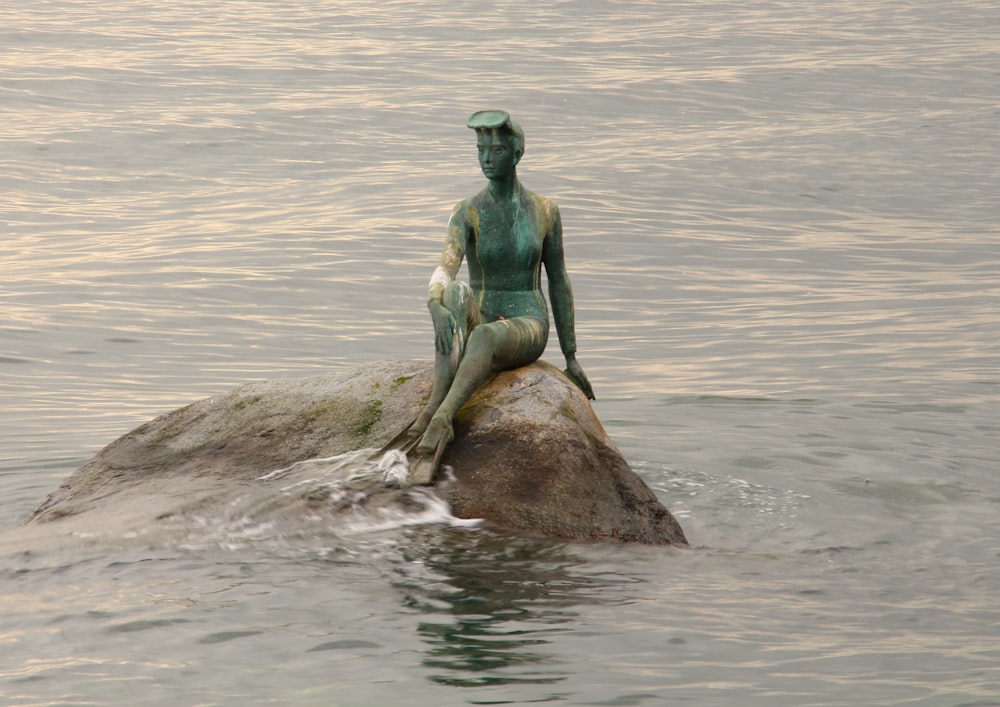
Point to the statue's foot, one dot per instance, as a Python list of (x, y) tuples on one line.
[(438, 434), (426, 458)]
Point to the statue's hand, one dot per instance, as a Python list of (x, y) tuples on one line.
[(575, 373), (444, 327)]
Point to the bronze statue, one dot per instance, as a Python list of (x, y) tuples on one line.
[(499, 320)]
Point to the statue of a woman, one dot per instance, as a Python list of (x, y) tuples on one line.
[(498, 321)]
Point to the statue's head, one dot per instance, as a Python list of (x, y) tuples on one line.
[(500, 141)]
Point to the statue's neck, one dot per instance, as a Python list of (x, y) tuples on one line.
[(504, 189)]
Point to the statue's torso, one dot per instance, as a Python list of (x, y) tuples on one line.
[(504, 253)]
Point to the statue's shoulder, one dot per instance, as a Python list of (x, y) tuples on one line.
[(542, 201), (469, 206), (543, 205), (464, 212), (477, 200)]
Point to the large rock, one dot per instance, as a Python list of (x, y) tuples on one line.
[(529, 454)]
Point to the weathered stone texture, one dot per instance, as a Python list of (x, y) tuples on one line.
[(529, 453)]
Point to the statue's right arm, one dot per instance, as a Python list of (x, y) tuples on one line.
[(445, 274)]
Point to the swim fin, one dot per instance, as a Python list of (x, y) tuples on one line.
[(423, 467), (404, 441)]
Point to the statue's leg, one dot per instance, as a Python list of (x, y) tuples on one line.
[(459, 300), (493, 347)]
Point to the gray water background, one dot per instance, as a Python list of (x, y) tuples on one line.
[(782, 230)]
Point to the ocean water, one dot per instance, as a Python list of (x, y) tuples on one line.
[(782, 230)]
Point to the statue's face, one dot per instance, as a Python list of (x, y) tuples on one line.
[(497, 157)]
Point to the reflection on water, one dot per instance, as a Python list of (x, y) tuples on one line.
[(494, 605)]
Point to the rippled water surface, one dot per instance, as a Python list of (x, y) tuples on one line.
[(781, 225)]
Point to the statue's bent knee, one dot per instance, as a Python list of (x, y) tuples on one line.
[(457, 296)]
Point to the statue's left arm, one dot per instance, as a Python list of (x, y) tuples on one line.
[(444, 274), (561, 296)]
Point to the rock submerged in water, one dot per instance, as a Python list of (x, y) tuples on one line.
[(529, 453)]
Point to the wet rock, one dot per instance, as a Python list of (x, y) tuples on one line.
[(529, 454)]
